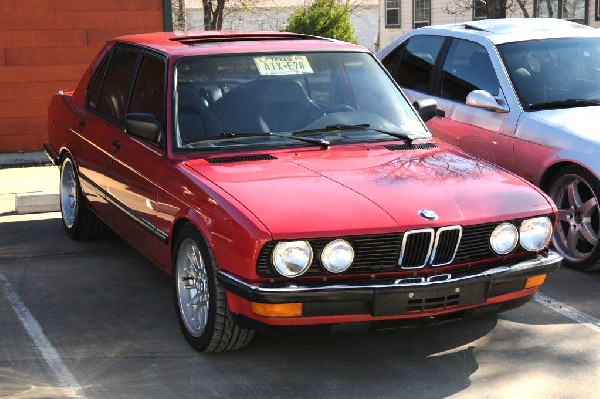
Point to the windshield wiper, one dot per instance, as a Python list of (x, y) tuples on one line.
[(568, 103), (320, 142), (363, 126)]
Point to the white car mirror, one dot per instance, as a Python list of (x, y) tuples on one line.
[(483, 99)]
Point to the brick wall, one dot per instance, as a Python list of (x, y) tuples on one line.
[(46, 45)]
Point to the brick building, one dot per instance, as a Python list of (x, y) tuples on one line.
[(46, 45)]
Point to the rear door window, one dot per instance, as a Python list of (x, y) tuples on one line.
[(418, 59), (117, 81)]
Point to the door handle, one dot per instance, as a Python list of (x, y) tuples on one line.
[(116, 145)]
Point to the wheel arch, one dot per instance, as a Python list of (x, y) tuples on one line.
[(178, 226), (546, 179)]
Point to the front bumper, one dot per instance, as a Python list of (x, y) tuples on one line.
[(397, 296)]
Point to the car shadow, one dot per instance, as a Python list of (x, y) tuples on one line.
[(110, 314)]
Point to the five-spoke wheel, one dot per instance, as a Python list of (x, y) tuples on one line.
[(575, 193)]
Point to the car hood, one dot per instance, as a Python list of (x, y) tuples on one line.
[(349, 190), (560, 128)]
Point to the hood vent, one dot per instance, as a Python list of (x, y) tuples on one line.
[(241, 158), (405, 147)]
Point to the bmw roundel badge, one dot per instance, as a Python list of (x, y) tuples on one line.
[(428, 214)]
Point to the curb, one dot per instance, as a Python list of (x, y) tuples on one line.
[(37, 203), (23, 159)]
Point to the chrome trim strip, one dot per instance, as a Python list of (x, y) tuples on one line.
[(142, 222), (403, 248), (437, 240)]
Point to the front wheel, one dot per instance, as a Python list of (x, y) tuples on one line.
[(202, 309), (575, 191)]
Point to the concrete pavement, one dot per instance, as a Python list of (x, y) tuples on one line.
[(28, 184)]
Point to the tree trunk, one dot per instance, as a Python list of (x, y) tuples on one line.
[(523, 8), (550, 10), (213, 16), (207, 7)]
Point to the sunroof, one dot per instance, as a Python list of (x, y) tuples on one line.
[(192, 40)]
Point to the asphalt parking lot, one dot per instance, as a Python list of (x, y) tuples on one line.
[(96, 320)]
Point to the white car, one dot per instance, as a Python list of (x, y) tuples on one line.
[(524, 94)]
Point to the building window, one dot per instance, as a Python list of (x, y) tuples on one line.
[(422, 13), (480, 9), (572, 10), (392, 13)]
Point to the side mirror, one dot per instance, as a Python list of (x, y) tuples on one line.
[(145, 126), (483, 99), (427, 109)]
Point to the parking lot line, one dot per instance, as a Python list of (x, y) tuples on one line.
[(566, 310), (62, 373)]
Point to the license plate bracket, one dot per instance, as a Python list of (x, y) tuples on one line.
[(390, 303)]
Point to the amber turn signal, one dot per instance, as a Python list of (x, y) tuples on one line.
[(535, 281), (277, 309)]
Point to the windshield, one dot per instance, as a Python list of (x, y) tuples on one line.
[(272, 99), (554, 73)]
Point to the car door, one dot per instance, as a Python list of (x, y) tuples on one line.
[(99, 122), (448, 69), (137, 162), (485, 133)]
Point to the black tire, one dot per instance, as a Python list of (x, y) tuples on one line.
[(576, 191), (79, 222), (216, 331)]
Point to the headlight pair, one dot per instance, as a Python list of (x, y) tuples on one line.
[(293, 258), (533, 235)]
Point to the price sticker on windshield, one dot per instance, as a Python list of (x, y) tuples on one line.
[(282, 65)]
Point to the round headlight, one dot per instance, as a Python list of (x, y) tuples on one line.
[(337, 256), (535, 233), (504, 238), (292, 258)]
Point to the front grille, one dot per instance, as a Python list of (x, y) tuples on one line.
[(420, 247), (416, 248), (382, 253)]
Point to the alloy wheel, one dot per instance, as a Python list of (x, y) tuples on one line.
[(578, 226), (68, 193), (192, 287)]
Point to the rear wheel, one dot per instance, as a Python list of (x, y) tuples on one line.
[(78, 220), (202, 309), (575, 191)]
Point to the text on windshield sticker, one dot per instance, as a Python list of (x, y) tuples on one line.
[(283, 65)]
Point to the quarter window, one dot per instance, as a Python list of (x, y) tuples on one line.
[(115, 90), (96, 85), (418, 59), (392, 13), (467, 67)]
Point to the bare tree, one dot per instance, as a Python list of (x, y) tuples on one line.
[(493, 8), (178, 12)]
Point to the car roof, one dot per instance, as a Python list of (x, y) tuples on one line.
[(507, 30), (215, 42)]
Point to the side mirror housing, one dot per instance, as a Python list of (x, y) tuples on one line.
[(427, 108), (483, 99), (145, 126)]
